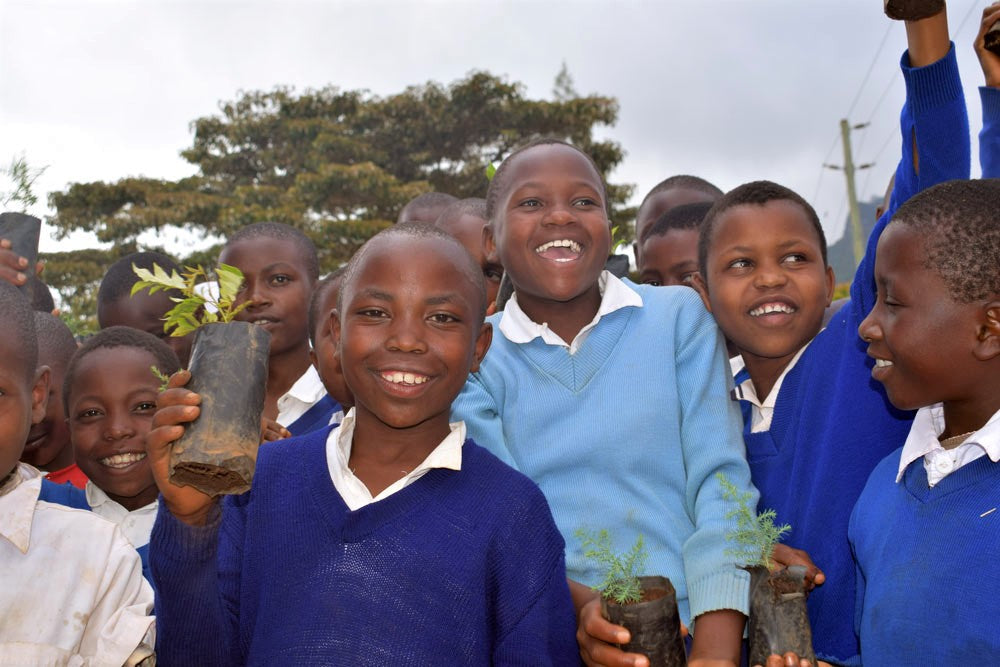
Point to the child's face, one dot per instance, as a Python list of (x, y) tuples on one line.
[(409, 332), (277, 286), (144, 311), (50, 437), (469, 231), (551, 233), (670, 259), (324, 356), (662, 202), (767, 285), (22, 401), (922, 340), (111, 406)]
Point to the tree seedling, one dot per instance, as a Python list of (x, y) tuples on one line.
[(621, 570), (194, 308), (755, 534)]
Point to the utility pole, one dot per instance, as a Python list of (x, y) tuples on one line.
[(857, 234)]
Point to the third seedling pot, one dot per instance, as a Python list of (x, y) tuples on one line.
[(912, 10), (22, 231), (218, 451), (654, 623), (779, 620)]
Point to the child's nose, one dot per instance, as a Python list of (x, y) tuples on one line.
[(256, 294), (770, 276), (869, 328), (559, 215), (405, 336), (119, 428)]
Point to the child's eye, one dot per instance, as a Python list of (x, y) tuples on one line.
[(145, 406), (493, 275), (372, 312), (655, 282), (794, 258), (531, 202), (444, 318), (688, 278), (280, 279), (89, 413), (741, 263), (585, 201)]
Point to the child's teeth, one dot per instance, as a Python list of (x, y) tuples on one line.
[(123, 460), (772, 308), (404, 378), (882, 363), (560, 243)]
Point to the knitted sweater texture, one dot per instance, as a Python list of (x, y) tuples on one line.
[(460, 567)]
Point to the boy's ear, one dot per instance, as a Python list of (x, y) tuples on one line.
[(988, 338), (40, 394), (490, 244), (334, 329), (483, 341), (699, 285), (831, 283)]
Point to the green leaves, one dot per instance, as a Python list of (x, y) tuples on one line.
[(197, 304), (755, 534), (621, 570)]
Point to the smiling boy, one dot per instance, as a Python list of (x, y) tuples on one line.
[(925, 531), (391, 539)]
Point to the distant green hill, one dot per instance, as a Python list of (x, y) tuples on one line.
[(841, 253)]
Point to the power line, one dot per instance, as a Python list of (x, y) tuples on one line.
[(972, 7), (871, 67)]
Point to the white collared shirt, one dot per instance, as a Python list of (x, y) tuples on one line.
[(136, 525), (304, 394), (762, 412), (922, 442), (94, 606), (448, 454), (517, 327)]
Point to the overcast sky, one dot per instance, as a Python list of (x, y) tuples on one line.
[(732, 91)]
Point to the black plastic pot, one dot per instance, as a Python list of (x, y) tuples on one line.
[(22, 231), (654, 623), (228, 368), (779, 620), (912, 10)]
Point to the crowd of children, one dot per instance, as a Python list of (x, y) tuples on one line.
[(438, 448)]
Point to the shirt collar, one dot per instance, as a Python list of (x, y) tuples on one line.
[(448, 454), (18, 499), (745, 391), (308, 388), (517, 327), (928, 425)]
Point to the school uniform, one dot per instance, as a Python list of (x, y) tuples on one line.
[(73, 590), (306, 406), (136, 525)]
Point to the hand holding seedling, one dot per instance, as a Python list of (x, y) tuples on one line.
[(989, 61), (597, 638), (785, 556), (175, 406), (13, 266), (272, 430)]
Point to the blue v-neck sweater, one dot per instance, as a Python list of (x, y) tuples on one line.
[(832, 423), (929, 586), (460, 567), (626, 435)]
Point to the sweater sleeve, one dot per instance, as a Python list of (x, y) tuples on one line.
[(194, 626), (989, 137), (934, 118), (712, 442), (535, 620), (478, 406)]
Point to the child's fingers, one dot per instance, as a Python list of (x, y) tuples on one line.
[(179, 379), (596, 636), (786, 556), (787, 660), (12, 266)]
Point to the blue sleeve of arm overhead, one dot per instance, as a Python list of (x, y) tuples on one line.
[(935, 122), (194, 625), (989, 137)]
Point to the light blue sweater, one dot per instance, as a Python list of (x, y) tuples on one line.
[(627, 434)]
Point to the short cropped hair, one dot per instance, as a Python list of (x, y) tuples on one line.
[(686, 182), (40, 295), (18, 326), (281, 232), (959, 224), (501, 176), (686, 216), (417, 230), (756, 193), (317, 298), (428, 200), (118, 281), (474, 206), (115, 337), (56, 343)]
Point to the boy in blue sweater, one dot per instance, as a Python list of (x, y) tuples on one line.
[(815, 424), (389, 540), (925, 530), (644, 466)]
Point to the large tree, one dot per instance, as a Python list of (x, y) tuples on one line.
[(337, 164)]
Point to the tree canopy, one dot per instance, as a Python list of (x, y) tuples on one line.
[(337, 164)]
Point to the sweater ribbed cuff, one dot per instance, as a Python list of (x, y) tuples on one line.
[(991, 102), (179, 541), (722, 590), (933, 85)]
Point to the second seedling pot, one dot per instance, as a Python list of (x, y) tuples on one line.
[(22, 231), (218, 450), (912, 10), (654, 623), (779, 620)]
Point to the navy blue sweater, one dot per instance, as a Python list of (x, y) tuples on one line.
[(460, 567), (832, 423)]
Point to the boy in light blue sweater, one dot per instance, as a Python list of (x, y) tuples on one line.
[(623, 427)]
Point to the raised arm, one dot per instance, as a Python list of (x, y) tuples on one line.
[(989, 137)]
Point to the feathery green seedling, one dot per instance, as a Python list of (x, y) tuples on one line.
[(621, 571), (755, 534)]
